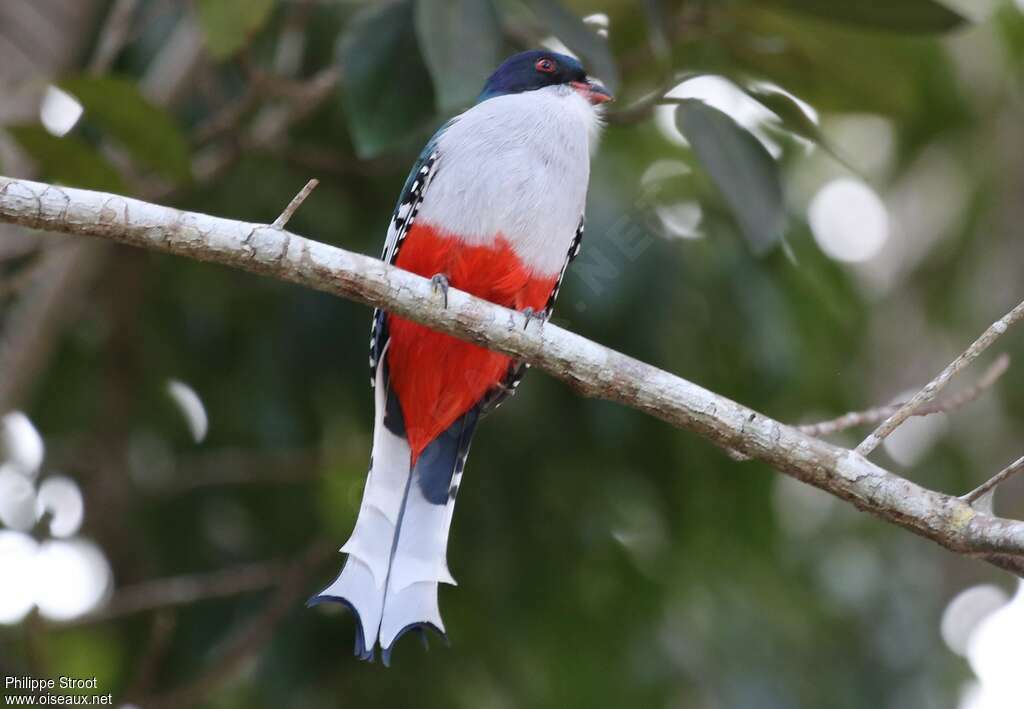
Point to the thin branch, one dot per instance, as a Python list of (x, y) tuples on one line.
[(296, 202), (44, 305), (937, 384), (589, 368), (147, 668), (114, 35), (995, 481), (880, 413), (642, 108), (252, 636), (244, 467), (185, 590), (227, 118), (268, 126)]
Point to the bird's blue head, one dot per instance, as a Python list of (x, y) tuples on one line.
[(537, 69)]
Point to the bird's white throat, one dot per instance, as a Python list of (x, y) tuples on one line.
[(516, 165)]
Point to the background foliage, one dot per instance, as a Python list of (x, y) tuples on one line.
[(603, 559)]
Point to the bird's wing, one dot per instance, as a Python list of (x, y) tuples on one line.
[(574, 250), (409, 201)]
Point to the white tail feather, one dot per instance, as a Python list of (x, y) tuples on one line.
[(398, 549)]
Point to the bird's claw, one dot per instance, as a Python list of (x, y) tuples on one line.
[(530, 314), (440, 283)]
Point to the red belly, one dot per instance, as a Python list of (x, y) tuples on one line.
[(437, 377)]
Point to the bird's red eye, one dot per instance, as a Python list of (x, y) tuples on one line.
[(546, 65)]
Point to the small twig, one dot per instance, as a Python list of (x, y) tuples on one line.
[(240, 467), (115, 34), (251, 637), (267, 127), (936, 385), (184, 590), (147, 668), (642, 107), (995, 481), (227, 118), (880, 413), (296, 202), (322, 160)]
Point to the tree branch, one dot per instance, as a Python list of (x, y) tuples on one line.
[(282, 221), (184, 590), (250, 637), (589, 368), (995, 481), (880, 413), (936, 385)]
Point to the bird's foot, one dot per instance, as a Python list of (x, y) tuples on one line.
[(530, 314), (439, 284)]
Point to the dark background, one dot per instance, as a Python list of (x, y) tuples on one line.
[(603, 558)]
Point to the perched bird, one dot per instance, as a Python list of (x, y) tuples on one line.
[(493, 206)]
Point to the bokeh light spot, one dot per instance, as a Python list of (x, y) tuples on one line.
[(59, 111), (20, 443), (60, 497), (191, 406), (995, 653), (17, 592), (72, 578), (967, 609), (17, 499), (849, 221)]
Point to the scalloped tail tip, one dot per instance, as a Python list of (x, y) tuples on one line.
[(421, 630), (361, 651), (368, 654)]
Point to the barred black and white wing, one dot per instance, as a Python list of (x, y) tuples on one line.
[(401, 221), (574, 251)]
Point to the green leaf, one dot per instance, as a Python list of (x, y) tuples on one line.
[(230, 24), (840, 68), (893, 15), (68, 160), (741, 168), (461, 42), (793, 117), (147, 132), (582, 40), (386, 87)]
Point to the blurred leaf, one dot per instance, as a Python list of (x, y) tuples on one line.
[(834, 67), (794, 118), (387, 88), (792, 115), (657, 21), (147, 132), (893, 15), (742, 170), (68, 160), (461, 42), (229, 24), (569, 28), (1009, 22)]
